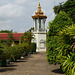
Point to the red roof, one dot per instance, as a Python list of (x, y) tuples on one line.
[(5, 36)]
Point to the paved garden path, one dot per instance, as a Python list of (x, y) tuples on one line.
[(34, 64)]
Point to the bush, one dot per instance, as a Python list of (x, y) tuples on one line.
[(27, 37), (15, 54), (60, 22), (4, 52), (17, 50), (1, 54), (51, 52), (66, 50), (33, 47), (61, 42), (68, 66)]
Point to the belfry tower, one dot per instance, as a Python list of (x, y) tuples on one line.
[(39, 29)]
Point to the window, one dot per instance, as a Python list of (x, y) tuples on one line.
[(42, 44)]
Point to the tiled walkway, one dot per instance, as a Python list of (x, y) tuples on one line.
[(34, 64)]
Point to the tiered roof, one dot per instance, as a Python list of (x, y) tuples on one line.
[(39, 13)]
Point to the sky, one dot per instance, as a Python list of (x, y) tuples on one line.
[(16, 14)]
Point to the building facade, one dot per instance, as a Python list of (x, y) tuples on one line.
[(39, 29)]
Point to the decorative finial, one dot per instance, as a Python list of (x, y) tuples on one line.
[(39, 8), (39, 3), (39, 13)]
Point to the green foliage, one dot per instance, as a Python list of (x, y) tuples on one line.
[(15, 54), (31, 29), (68, 7), (57, 8), (68, 65), (4, 52), (61, 20), (61, 43), (5, 31), (17, 50), (1, 53), (66, 54), (33, 47), (52, 43), (27, 37), (10, 37)]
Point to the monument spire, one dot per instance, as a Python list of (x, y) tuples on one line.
[(39, 13), (39, 8), (39, 3)]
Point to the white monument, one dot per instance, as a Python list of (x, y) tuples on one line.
[(39, 30)]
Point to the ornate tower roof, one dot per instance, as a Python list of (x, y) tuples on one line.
[(39, 13)]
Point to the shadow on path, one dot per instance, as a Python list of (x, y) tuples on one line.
[(10, 65), (7, 69), (19, 61), (57, 71)]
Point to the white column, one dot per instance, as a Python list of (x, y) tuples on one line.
[(43, 24), (35, 24), (39, 24)]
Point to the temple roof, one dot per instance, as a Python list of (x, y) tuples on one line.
[(39, 13), (5, 36)]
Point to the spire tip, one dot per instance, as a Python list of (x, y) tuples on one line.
[(39, 3)]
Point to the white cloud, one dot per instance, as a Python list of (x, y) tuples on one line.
[(5, 22), (5, 25), (10, 11), (20, 1), (22, 30), (17, 14)]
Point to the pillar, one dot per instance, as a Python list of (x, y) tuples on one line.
[(35, 24), (43, 24), (39, 24)]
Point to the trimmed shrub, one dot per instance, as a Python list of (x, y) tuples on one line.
[(17, 50), (33, 47), (4, 55)]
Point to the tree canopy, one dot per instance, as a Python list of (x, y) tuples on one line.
[(60, 21), (68, 7), (6, 31)]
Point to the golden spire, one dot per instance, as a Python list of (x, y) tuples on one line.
[(39, 8), (39, 13), (39, 3)]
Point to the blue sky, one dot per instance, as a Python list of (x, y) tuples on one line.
[(16, 14)]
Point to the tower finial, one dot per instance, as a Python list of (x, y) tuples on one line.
[(39, 3), (39, 8)]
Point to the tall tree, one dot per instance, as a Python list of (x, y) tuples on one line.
[(68, 7), (60, 21)]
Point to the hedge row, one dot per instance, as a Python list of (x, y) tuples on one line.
[(15, 52)]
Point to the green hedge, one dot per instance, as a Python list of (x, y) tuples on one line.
[(33, 47), (4, 52), (17, 50)]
